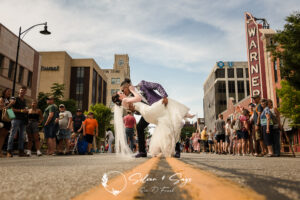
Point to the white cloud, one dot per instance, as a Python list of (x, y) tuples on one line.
[(99, 29)]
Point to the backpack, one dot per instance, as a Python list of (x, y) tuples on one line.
[(82, 146), (238, 124)]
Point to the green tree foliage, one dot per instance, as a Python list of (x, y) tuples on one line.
[(187, 131), (286, 46), (290, 102), (57, 91), (103, 115)]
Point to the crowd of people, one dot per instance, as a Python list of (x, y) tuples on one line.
[(250, 131), (60, 127)]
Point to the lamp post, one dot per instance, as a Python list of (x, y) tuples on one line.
[(44, 32)]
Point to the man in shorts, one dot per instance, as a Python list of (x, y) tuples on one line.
[(64, 133), (90, 129), (220, 133), (256, 121), (50, 115)]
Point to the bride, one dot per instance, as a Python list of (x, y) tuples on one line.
[(168, 120)]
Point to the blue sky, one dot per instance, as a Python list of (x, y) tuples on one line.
[(172, 42)]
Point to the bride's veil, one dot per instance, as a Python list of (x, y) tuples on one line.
[(121, 146)]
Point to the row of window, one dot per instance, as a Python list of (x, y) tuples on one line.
[(20, 75), (115, 81), (220, 73), (221, 89)]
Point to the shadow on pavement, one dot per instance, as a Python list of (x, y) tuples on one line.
[(262, 184)]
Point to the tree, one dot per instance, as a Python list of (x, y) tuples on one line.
[(57, 90), (286, 47), (290, 102), (187, 131), (103, 115)]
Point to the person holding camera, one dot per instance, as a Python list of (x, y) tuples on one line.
[(19, 123)]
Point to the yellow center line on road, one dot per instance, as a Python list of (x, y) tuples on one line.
[(131, 190), (205, 185)]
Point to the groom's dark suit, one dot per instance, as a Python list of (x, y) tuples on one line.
[(147, 90)]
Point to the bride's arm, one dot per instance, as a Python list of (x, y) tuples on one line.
[(136, 98)]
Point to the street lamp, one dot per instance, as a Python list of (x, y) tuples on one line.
[(44, 32)]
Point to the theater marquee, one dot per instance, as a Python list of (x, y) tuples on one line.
[(256, 64)]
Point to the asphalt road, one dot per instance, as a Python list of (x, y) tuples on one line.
[(56, 177), (277, 178), (65, 177)]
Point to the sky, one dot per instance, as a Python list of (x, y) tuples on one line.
[(171, 42)]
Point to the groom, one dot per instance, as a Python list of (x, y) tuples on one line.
[(149, 96)]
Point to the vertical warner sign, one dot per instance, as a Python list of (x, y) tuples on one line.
[(255, 52)]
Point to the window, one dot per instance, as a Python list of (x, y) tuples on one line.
[(248, 88), (241, 90), (79, 86), (29, 79), (115, 80), (114, 91), (275, 71), (94, 89), (11, 69), (222, 102), (247, 72), (104, 92), (100, 88), (239, 72), (1, 61), (231, 89), (230, 73), (221, 86), (21, 72), (220, 73)]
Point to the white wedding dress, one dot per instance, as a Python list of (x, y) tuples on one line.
[(168, 120)]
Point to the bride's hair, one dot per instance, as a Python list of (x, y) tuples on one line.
[(116, 99), (126, 81)]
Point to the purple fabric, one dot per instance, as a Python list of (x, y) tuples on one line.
[(148, 88)]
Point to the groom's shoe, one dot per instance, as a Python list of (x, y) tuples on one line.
[(177, 154), (141, 155)]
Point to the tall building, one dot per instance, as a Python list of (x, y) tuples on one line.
[(227, 80), (84, 80), (28, 64), (116, 75)]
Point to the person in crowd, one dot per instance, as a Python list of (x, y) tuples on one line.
[(130, 127), (191, 145), (196, 141), (90, 128), (242, 134), (258, 131), (227, 135), (251, 108), (35, 117), (210, 141), (50, 115), (77, 121), (19, 123), (215, 142), (64, 134), (277, 127), (267, 126), (187, 144), (233, 138), (204, 138), (220, 132), (110, 138), (73, 140), (5, 103)]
